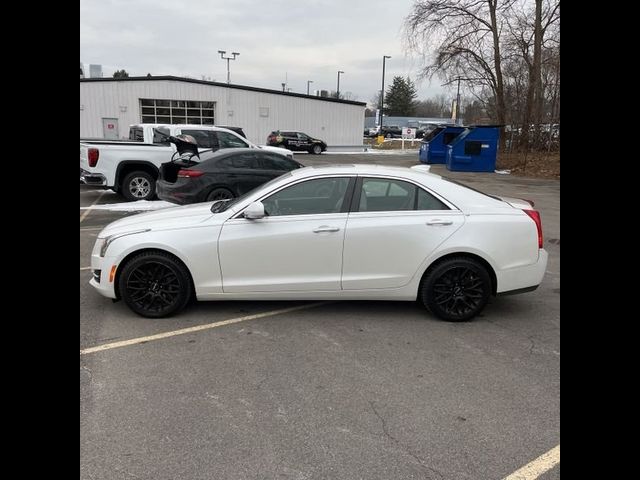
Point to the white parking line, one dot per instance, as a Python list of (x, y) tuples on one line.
[(90, 228), (159, 336), (84, 215), (537, 467), (84, 268)]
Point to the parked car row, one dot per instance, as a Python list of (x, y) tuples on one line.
[(131, 167)]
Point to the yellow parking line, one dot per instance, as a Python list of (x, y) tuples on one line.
[(537, 467), (159, 336)]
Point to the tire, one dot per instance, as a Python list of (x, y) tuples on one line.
[(138, 185), (457, 289), (387, 135), (155, 284), (220, 194), (316, 149)]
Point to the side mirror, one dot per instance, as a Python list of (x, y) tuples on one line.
[(254, 211)]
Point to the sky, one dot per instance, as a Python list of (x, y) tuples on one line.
[(278, 41)]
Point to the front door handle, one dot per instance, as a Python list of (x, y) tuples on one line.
[(325, 228), (439, 222)]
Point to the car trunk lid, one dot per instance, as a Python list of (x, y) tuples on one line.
[(169, 170), (519, 203)]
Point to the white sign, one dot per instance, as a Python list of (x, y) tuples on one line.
[(408, 132)]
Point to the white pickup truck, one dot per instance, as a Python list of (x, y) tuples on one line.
[(131, 167)]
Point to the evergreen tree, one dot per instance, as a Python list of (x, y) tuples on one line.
[(400, 98)]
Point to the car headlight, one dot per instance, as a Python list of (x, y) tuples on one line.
[(106, 241)]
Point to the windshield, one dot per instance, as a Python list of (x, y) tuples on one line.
[(223, 205)]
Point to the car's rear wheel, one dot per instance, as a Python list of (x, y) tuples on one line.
[(220, 194), (155, 284), (457, 289), (316, 149), (138, 185)]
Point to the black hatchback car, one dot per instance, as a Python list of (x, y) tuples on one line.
[(297, 141), (219, 175)]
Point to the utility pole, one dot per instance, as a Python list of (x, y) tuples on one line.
[(384, 59), (235, 54), (338, 88)]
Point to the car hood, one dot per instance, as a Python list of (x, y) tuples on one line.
[(167, 218)]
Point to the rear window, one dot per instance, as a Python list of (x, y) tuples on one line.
[(136, 134), (471, 188)]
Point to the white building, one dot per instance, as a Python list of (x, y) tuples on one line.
[(259, 111)]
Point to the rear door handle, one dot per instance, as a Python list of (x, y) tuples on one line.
[(325, 228), (437, 223)]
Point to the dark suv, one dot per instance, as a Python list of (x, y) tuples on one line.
[(297, 141)]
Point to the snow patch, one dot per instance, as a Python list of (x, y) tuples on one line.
[(140, 205)]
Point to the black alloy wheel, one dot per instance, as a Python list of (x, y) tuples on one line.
[(155, 284), (457, 289)]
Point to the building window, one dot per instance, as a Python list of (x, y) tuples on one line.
[(177, 111)]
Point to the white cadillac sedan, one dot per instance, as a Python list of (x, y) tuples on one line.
[(342, 232)]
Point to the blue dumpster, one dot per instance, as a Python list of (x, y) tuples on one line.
[(474, 150), (433, 148)]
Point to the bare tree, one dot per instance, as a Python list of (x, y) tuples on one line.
[(531, 31), (466, 38)]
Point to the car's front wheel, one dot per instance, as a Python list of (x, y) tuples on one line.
[(457, 289), (155, 284)]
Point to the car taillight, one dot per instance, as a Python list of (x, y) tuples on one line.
[(92, 155), (535, 216), (189, 173)]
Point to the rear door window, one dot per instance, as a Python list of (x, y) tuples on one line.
[(389, 195), (228, 140)]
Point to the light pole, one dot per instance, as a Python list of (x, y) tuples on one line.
[(235, 54), (308, 82), (384, 59), (338, 88)]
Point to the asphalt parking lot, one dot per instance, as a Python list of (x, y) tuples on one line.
[(330, 390)]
